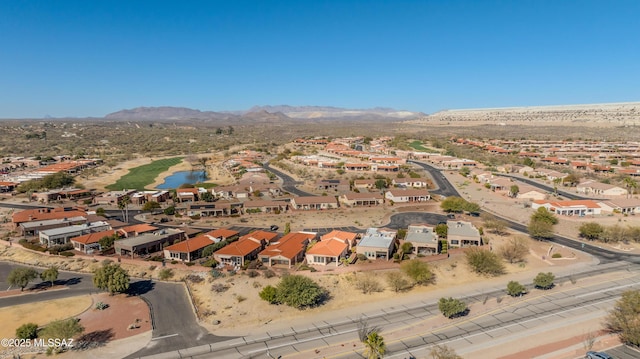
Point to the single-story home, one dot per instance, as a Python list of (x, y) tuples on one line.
[(354, 199), (580, 208), (462, 234), (338, 185), (288, 250), (188, 250), (529, 192), (377, 243), (600, 189), (407, 195), (364, 184), (264, 206), (410, 182), (41, 214), (89, 243), (35, 227), (423, 238), (244, 249), (314, 202), (148, 243), (59, 236), (331, 248), (136, 230), (621, 205)]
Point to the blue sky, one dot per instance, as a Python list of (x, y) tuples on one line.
[(90, 58)]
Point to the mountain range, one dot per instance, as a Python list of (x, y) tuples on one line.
[(261, 113)]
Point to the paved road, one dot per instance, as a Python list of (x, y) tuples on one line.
[(544, 187), (444, 187), (529, 314), (76, 284), (288, 183), (175, 324)]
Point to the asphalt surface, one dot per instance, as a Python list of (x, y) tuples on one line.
[(75, 284), (175, 323), (544, 187), (623, 352), (288, 183), (445, 188), (404, 220)]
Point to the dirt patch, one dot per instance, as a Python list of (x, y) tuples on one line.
[(40, 313), (238, 308)]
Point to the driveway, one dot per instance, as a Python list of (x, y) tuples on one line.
[(175, 323)]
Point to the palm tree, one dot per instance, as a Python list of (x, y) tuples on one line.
[(374, 346), (556, 182), (631, 185), (123, 205)]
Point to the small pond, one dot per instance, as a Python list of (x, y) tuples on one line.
[(177, 179)]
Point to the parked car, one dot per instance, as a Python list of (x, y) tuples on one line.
[(273, 228), (598, 355)]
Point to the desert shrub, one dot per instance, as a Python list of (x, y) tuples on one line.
[(544, 280), (165, 273), (515, 289), (101, 306), (27, 331), (216, 274), (451, 307), (210, 263), (219, 287), (67, 254), (268, 294), (556, 255), (295, 291), (193, 278), (268, 273), (418, 271), (484, 262), (368, 284), (252, 274), (34, 247), (398, 281)]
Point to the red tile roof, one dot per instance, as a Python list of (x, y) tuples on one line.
[(222, 233), (288, 246), (191, 245), (349, 236), (332, 247), (93, 237), (240, 248), (261, 235), (41, 214), (137, 228)]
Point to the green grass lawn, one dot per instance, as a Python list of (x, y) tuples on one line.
[(140, 177), (417, 145)]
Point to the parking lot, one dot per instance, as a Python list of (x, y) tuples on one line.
[(622, 352)]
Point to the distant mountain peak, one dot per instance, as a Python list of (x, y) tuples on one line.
[(268, 113)]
